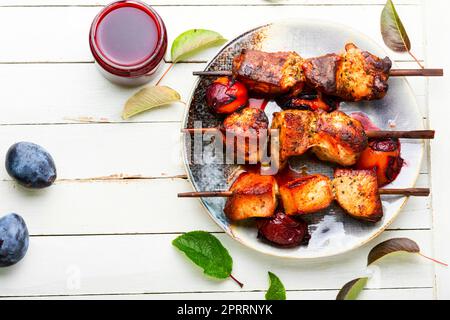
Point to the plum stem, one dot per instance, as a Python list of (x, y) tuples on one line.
[(434, 260), (237, 281), (164, 74), (415, 58)]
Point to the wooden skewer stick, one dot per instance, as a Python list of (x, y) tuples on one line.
[(393, 73), (200, 130), (372, 134), (220, 73), (206, 194), (417, 134), (410, 192), (414, 192), (417, 73)]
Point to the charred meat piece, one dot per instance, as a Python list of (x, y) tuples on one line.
[(269, 74), (284, 231), (296, 132), (356, 191), (383, 156), (320, 72), (254, 196), (339, 138), (245, 135), (306, 195), (361, 75)]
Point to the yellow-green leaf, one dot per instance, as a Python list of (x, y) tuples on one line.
[(148, 98), (193, 41), (352, 289)]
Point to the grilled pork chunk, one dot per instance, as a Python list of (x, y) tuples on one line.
[(356, 191), (320, 72), (339, 138), (333, 137), (296, 131), (269, 74), (306, 195), (361, 75), (245, 135), (254, 196)]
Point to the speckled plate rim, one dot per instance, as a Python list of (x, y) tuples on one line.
[(229, 231)]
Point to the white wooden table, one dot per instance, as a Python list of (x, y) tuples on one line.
[(95, 234)]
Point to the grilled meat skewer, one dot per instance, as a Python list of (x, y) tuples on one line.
[(356, 191), (334, 137), (354, 75)]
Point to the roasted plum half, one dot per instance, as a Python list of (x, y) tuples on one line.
[(225, 95), (309, 99), (384, 157), (284, 231)]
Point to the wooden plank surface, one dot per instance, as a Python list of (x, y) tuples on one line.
[(60, 34), (149, 264), (128, 207), (368, 294), (98, 150), (109, 238), (202, 2), (438, 52), (87, 97)]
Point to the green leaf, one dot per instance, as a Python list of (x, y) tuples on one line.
[(206, 251), (392, 29), (276, 289), (352, 289), (193, 41), (148, 98), (392, 246)]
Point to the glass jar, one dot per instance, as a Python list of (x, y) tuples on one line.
[(128, 40)]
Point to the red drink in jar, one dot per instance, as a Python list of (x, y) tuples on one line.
[(128, 40)]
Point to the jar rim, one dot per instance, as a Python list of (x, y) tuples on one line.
[(146, 65)]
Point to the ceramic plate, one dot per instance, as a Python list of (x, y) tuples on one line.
[(332, 232)]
